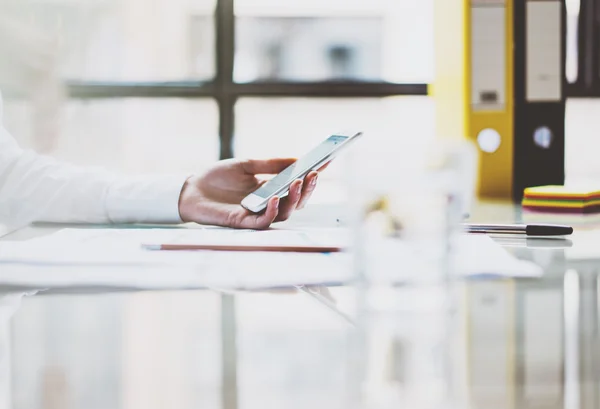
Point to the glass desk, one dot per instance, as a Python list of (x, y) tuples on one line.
[(531, 343)]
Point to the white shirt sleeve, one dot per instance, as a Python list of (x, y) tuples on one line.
[(35, 188)]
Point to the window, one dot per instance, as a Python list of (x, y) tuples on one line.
[(308, 48), (150, 75), (126, 40)]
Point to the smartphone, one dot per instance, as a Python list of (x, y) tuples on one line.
[(313, 160)]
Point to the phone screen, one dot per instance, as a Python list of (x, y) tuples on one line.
[(302, 165)]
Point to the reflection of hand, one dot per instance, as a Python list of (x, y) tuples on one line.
[(316, 290), (214, 197), (322, 292)]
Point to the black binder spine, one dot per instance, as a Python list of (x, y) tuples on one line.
[(539, 121)]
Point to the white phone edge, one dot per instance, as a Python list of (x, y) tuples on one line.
[(256, 204)]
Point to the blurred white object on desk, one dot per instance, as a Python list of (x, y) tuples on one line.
[(409, 200)]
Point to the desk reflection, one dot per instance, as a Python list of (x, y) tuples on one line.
[(9, 303), (141, 350), (529, 344), (174, 349)]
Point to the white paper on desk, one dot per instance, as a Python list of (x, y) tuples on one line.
[(473, 255), (287, 237), (124, 246), (115, 257)]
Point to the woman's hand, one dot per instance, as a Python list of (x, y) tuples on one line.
[(214, 197)]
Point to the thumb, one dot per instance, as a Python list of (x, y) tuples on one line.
[(266, 166)]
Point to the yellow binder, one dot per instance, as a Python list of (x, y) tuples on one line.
[(473, 85)]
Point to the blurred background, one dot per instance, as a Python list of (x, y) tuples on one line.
[(172, 86)]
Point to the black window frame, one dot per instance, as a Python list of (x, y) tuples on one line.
[(225, 91)]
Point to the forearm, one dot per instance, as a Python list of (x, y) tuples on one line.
[(35, 188)]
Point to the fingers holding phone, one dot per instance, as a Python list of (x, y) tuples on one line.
[(299, 194), (290, 203), (306, 168), (308, 187)]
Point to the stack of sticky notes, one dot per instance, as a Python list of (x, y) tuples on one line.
[(562, 199)]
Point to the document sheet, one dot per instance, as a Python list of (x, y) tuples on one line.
[(115, 257)]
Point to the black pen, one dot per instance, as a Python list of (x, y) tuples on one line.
[(525, 229)]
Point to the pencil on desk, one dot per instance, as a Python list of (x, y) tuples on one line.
[(229, 247)]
